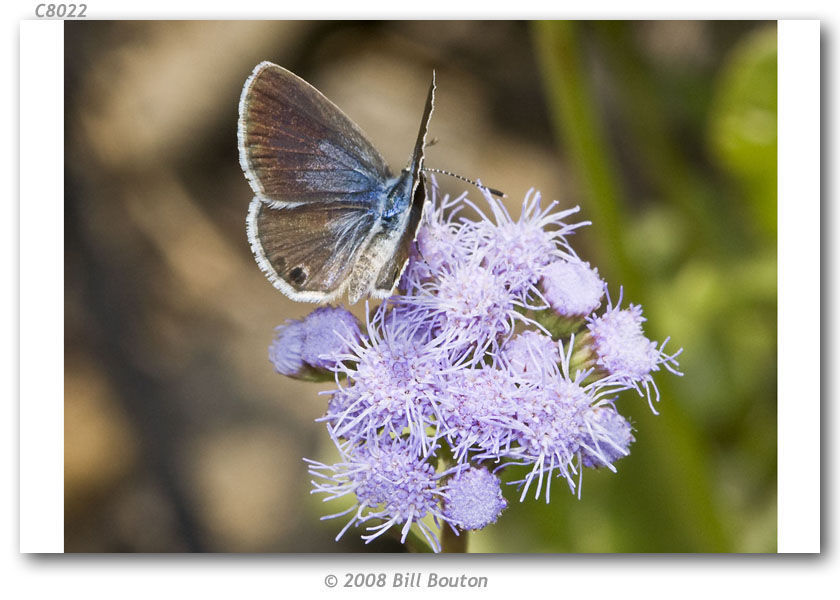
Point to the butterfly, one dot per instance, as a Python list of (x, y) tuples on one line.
[(328, 218)]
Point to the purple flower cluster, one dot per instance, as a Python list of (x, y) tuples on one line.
[(496, 354), (304, 349)]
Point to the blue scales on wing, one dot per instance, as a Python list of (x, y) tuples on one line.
[(296, 146), (328, 218)]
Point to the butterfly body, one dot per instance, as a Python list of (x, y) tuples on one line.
[(328, 218)]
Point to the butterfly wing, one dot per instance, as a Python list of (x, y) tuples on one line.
[(308, 250), (296, 146), (317, 225), (392, 269)]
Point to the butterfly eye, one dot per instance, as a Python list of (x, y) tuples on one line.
[(297, 275)]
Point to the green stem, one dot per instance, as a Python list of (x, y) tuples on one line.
[(559, 326), (573, 109), (416, 543), (452, 543), (661, 159)]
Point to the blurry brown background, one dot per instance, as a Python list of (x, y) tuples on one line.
[(179, 436)]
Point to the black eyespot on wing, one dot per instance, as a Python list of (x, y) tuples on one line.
[(308, 249), (297, 275)]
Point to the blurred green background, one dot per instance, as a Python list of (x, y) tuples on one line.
[(178, 434)]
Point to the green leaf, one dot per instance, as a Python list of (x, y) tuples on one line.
[(743, 123)]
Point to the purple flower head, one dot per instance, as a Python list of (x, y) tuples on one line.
[(344, 411), (440, 243), (531, 356), (478, 410), (392, 481), (517, 251), (608, 437), (392, 383), (408, 319), (286, 348), (625, 353), (466, 307), (572, 288), (327, 333), (473, 499), (555, 423)]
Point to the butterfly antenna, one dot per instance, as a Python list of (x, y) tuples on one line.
[(490, 190)]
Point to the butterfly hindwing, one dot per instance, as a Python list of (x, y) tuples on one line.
[(308, 251)]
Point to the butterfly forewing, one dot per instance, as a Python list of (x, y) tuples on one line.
[(296, 146), (394, 266)]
